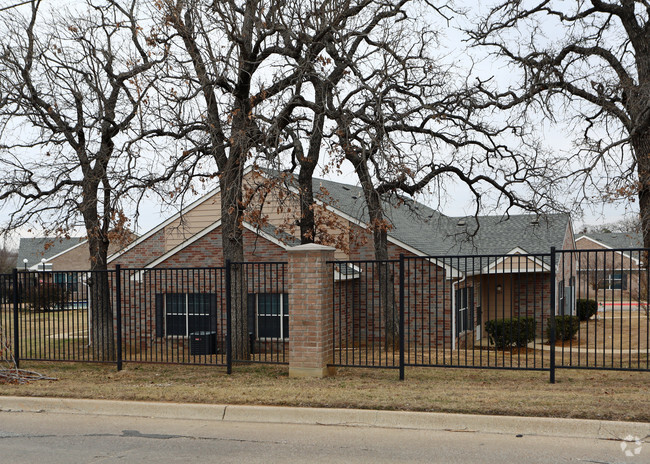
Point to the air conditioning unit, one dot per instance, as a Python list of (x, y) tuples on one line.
[(203, 343)]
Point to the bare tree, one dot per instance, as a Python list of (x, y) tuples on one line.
[(596, 70), (629, 225), (73, 86), (257, 79), (371, 92), (228, 93), (333, 28), (7, 260), (5, 7), (406, 122)]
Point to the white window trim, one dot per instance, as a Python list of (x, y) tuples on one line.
[(610, 280), (464, 308)]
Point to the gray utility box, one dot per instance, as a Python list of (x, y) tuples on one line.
[(203, 343)]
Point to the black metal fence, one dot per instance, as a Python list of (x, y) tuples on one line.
[(366, 313), (6, 317), (607, 290), (564, 309), (173, 315), (263, 335), (49, 316), (574, 309), (143, 315)]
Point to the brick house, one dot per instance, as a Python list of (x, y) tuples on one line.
[(610, 266), (56, 253), (52, 253), (459, 294), (64, 257)]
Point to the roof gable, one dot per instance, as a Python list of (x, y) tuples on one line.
[(208, 196), (36, 249), (419, 228), (269, 233), (614, 239)]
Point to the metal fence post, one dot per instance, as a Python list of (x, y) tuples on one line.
[(16, 324), (401, 316), (228, 318), (118, 306), (552, 320)]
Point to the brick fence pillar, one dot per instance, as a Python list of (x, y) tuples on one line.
[(310, 311)]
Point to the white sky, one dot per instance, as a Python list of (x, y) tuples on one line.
[(457, 202)]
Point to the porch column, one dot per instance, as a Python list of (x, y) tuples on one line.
[(310, 311)]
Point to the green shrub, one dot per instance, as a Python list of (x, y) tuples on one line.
[(504, 333), (46, 297), (586, 309), (566, 327)]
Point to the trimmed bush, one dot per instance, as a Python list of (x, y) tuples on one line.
[(586, 309), (505, 333), (566, 327), (46, 297)]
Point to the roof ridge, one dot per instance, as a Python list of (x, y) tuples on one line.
[(507, 216)]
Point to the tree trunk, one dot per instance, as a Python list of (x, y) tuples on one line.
[(233, 250), (390, 314), (641, 146), (306, 194), (102, 340), (307, 167)]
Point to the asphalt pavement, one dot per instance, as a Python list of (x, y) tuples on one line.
[(69, 431)]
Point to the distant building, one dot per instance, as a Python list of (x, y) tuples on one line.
[(613, 265), (51, 253)]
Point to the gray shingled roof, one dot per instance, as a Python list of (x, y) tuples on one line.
[(35, 249), (432, 233), (435, 234), (281, 235), (617, 239)]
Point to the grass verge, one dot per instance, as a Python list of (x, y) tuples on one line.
[(577, 394)]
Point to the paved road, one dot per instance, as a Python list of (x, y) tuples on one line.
[(64, 438)]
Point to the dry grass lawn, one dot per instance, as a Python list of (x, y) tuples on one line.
[(577, 394), (620, 330)]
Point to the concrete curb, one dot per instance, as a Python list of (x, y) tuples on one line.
[(507, 425), (112, 408)]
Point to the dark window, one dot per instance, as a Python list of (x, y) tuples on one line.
[(66, 280), (269, 312), (186, 313)]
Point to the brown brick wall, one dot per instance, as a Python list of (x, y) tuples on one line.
[(143, 253), (310, 301), (138, 302), (361, 320)]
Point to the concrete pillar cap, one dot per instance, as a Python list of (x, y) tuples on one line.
[(310, 247)]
